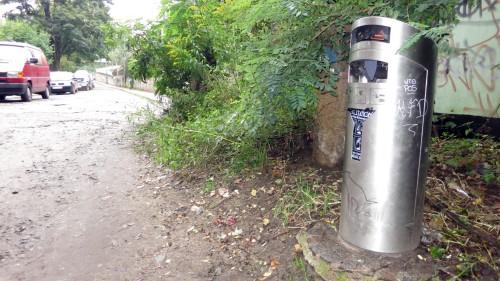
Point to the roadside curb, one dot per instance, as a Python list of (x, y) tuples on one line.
[(143, 94)]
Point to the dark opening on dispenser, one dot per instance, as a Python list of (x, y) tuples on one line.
[(368, 71), (378, 33)]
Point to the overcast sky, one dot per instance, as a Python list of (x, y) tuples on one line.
[(123, 10), (4, 9)]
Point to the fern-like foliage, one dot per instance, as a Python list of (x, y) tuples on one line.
[(439, 35)]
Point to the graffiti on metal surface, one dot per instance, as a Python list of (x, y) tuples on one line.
[(410, 86), (357, 200), (412, 128), (359, 116), (413, 108), (469, 82)]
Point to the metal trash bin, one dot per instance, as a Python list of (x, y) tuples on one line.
[(391, 96)]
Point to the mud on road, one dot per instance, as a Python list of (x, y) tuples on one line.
[(78, 203)]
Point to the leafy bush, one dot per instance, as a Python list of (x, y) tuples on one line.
[(210, 140), (244, 75)]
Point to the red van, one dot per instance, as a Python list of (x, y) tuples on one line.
[(23, 71)]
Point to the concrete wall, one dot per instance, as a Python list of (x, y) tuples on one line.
[(149, 86), (114, 76), (469, 83)]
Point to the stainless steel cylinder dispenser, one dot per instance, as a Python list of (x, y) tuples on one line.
[(391, 95)]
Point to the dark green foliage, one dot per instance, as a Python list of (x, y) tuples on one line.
[(179, 52)]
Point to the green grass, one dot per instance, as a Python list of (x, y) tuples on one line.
[(306, 200), (300, 265), (209, 185), (475, 157), (200, 143)]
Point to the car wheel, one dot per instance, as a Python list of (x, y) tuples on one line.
[(2, 98), (46, 93), (27, 95)]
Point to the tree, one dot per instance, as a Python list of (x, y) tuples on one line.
[(74, 25), (117, 35), (21, 31), (181, 49)]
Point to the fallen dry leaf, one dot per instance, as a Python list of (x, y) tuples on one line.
[(298, 248), (232, 221), (478, 201), (275, 263), (268, 273), (223, 192)]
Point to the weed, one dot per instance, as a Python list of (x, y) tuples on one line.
[(213, 140), (306, 199), (437, 252), (209, 185), (300, 265), (476, 157), (464, 178)]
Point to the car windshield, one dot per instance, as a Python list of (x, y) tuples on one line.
[(61, 75), (12, 53), (81, 73), (12, 56)]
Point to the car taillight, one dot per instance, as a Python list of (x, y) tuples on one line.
[(15, 74)]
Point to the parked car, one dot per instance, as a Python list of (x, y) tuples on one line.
[(63, 82), (23, 71), (84, 79)]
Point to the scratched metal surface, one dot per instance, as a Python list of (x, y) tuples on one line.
[(387, 138)]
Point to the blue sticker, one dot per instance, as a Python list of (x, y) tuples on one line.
[(359, 116)]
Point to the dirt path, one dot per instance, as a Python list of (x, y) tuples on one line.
[(77, 203), (68, 172)]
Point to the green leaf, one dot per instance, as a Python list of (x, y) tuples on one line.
[(437, 252)]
